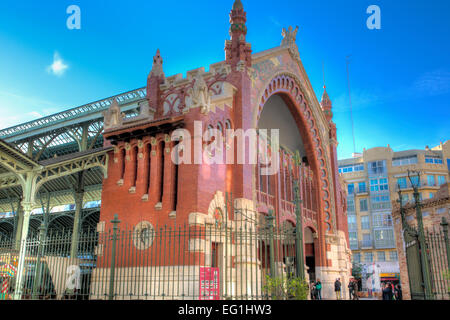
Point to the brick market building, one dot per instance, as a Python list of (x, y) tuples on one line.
[(264, 90)]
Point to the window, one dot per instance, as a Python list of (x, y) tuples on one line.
[(405, 198), (431, 181), (351, 168), (381, 256), (441, 180), (367, 240), (376, 167), (350, 204), (380, 202), (441, 210), (356, 257), (362, 187), (433, 159), (431, 195), (425, 214), (351, 222), (365, 223), (393, 256), (384, 238), (415, 181), (351, 188), (382, 220), (401, 182), (404, 161), (368, 257), (363, 205), (353, 237), (379, 184)]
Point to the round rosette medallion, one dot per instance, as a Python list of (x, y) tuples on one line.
[(144, 233)]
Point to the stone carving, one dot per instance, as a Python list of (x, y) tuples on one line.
[(113, 117), (200, 95), (289, 37)]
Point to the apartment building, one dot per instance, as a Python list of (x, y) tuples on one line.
[(372, 180)]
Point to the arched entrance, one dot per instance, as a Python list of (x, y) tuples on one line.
[(282, 105), (310, 258)]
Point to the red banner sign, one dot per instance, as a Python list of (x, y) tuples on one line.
[(209, 283)]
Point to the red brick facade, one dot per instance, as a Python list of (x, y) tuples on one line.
[(236, 92)]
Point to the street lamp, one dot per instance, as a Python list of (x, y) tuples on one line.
[(298, 223), (415, 183)]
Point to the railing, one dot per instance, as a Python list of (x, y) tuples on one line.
[(266, 199), (365, 244), (354, 245), (201, 262), (288, 206), (384, 244)]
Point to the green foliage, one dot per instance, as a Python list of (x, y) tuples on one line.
[(447, 274), (357, 270), (286, 288)]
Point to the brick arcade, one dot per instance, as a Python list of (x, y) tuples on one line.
[(268, 89)]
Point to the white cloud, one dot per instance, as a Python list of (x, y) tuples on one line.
[(58, 67), (16, 108)]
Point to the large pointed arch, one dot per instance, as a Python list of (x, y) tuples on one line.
[(288, 87)]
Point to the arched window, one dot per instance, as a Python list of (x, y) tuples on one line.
[(227, 124), (220, 127)]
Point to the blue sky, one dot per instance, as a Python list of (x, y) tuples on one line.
[(400, 75)]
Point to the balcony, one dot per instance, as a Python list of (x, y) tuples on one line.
[(362, 190), (384, 244), (366, 244), (266, 199)]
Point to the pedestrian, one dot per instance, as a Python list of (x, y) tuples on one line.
[(337, 288), (355, 290), (387, 292), (312, 288), (350, 289), (319, 289), (398, 292)]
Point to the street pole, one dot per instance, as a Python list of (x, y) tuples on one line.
[(444, 225), (269, 219), (38, 272), (115, 223), (298, 225), (421, 236)]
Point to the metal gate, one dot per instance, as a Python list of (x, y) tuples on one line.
[(416, 283), (429, 280)]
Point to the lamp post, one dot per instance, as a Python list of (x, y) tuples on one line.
[(421, 235), (298, 222)]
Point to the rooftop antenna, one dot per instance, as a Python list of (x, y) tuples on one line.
[(323, 73), (350, 101)]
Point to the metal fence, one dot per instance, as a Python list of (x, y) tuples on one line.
[(438, 253), (211, 260)]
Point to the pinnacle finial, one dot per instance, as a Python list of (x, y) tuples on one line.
[(157, 69), (238, 5)]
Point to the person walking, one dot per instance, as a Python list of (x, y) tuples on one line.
[(350, 289), (337, 288), (312, 289), (387, 292), (355, 290), (398, 292), (319, 289)]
